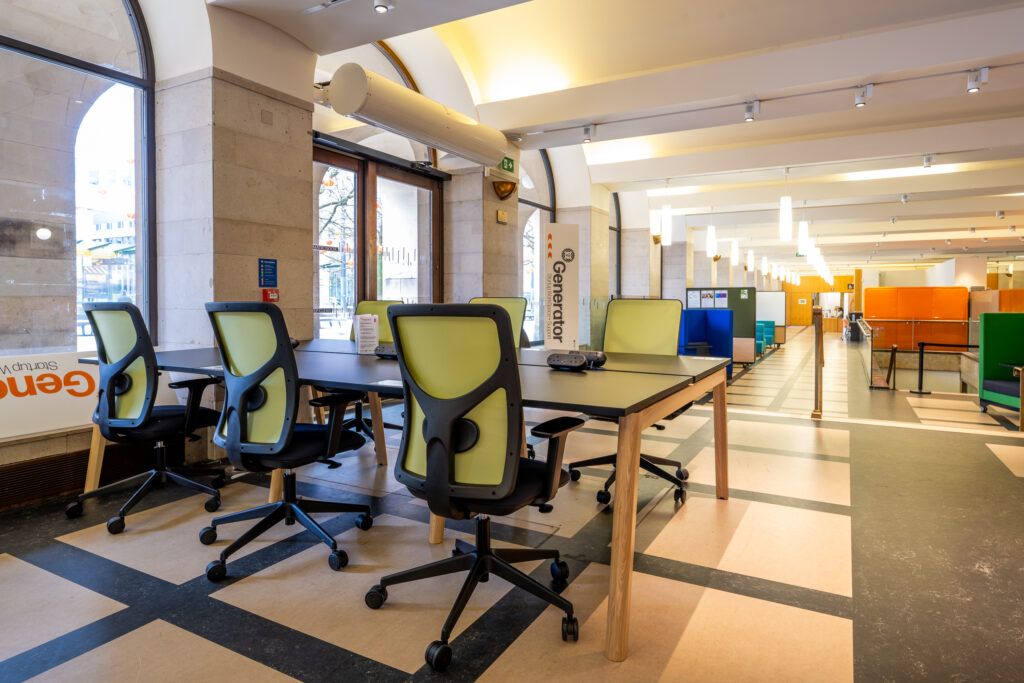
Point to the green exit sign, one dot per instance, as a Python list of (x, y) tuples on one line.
[(508, 165)]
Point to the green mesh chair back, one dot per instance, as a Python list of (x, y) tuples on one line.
[(379, 309), (649, 326), (464, 422), (260, 380), (127, 364), (515, 306)]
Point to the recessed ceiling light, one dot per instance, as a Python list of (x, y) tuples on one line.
[(44, 233), (383, 6)]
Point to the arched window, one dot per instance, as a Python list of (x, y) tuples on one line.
[(77, 218)]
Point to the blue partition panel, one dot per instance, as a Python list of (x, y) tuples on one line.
[(707, 326)]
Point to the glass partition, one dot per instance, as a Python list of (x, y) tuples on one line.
[(335, 252)]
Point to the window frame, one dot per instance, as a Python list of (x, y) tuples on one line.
[(146, 82)]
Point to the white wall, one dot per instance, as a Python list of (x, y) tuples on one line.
[(942, 274), (903, 278), (971, 271)]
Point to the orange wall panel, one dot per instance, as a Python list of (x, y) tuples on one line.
[(916, 303), (1011, 300), (992, 281), (797, 314)]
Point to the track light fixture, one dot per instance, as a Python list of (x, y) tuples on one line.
[(1000, 215), (970, 229), (948, 243), (975, 79), (862, 95), (751, 110), (383, 6), (904, 198), (965, 248), (1013, 228), (892, 220), (928, 160), (588, 132), (984, 239)]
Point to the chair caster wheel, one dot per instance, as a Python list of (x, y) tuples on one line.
[(216, 571), (682, 474), (364, 521), (338, 559), (575, 475), (376, 596), (115, 525), (604, 497), (679, 495), (212, 504), (438, 656), (73, 510), (570, 628), (545, 507), (559, 571), (208, 535)]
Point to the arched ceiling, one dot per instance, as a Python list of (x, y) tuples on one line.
[(666, 84)]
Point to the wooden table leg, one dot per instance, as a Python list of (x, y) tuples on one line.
[(377, 418), (96, 447), (276, 486), (721, 442), (627, 474), (436, 529)]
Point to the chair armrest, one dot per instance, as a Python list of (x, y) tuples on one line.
[(556, 427), (555, 432), (195, 387)]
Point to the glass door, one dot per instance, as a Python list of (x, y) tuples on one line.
[(405, 229), (334, 251)]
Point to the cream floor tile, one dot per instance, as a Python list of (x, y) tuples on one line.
[(995, 429), (781, 475), (744, 400), (654, 633), (302, 592), (752, 391), (736, 638), (1011, 456), (683, 426), (172, 531), (801, 404), (38, 606), (976, 417), (778, 543), (763, 383), (158, 652), (819, 440), (944, 403), (359, 473), (582, 445)]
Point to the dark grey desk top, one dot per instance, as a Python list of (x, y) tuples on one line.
[(597, 392), (694, 366)]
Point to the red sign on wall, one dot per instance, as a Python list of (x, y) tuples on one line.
[(271, 294)]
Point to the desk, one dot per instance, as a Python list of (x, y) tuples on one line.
[(636, 390)]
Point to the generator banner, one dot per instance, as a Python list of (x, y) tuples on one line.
[(43, 392), (561, 286)]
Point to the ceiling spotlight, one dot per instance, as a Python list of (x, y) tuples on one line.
[(515, 137), (970, 229), (948, 243), (904, 198), (861, 97), (588, 133), (1021, 238), (965, 248), (984, 239), (892, 220), (976, 78), (876, 244), (933, 248), (383, 6), (928, 160), (885, 234), (1013, 228), (1000, 215), (751, 109), (44, 233)]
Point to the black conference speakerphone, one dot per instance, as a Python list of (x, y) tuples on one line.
[(577, 361)]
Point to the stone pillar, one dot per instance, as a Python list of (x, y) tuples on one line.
[(675, 272), (481, 256), (234, 177)]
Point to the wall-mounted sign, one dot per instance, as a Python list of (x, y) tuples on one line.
[(502, 217), (722, 298), (323, 247), (268, 272), (507, 164), (271, 294), (692, 299), (802, 302), (849, 285), (562, 286), (744, 293)]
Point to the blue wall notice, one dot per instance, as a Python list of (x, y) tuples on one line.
[(268, 272)]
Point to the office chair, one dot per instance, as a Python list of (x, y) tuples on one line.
[(125, 412), (462, 445), (515, 306), (258, 427), (645, 326), (358, 398)]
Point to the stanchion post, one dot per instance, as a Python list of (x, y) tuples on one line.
[(819, 360), (920, 371)]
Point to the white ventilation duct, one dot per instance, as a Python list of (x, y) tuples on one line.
[(374, 99)]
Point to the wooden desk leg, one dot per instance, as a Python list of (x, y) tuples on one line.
[(627, 475), (276, 486), (377, 418), (436, 529), (721, 442), (96, 447)]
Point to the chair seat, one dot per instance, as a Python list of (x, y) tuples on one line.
[(1006, 387), (168, 421), (530, 485), (309, 442)]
